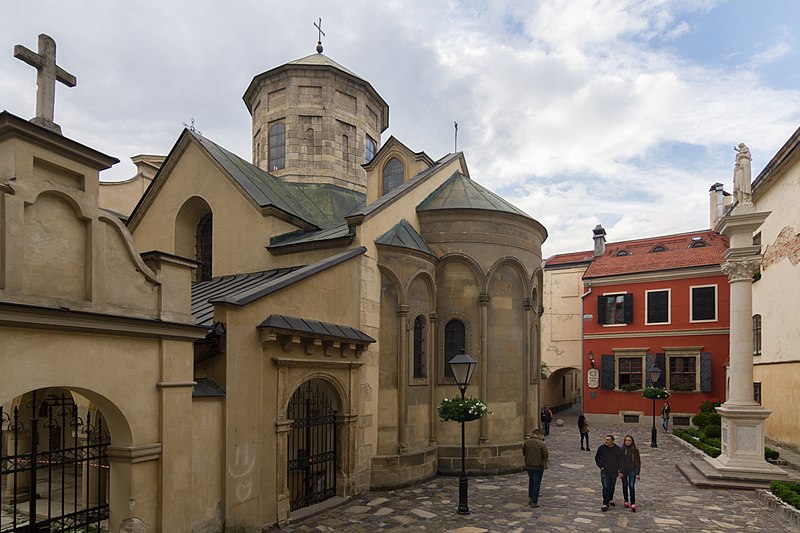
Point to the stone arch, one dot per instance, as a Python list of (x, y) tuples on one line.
[(399, 287), (473, 265), (537, 288), (514, 263), (430, 285), (69, 200), (332, 384), (561, 387)]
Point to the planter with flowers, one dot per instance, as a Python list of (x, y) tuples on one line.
[(458, 409)]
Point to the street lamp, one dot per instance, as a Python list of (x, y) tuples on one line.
[(463, 366), (655, 373)]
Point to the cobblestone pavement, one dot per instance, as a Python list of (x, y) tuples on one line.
[(570, 499)]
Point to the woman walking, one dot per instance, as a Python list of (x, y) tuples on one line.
[(665, 411), (583, 428), (631, 467)]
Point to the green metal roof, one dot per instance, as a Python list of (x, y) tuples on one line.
[(321, 205), (321, 60), (460, 192), (404, 235)]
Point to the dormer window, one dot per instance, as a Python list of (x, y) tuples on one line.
[(622, 253), (697, 244), (658, 248), (392, 175)]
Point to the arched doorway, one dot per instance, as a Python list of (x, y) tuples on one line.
[(312, 445), (54, 465)]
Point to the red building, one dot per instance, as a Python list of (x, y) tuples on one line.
[(663, 302)]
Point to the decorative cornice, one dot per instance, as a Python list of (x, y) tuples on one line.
[(671, 333), (315, 363), (741, 269), (662, 275), (136, 454)]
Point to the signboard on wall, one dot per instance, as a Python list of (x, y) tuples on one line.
[(593, 378)]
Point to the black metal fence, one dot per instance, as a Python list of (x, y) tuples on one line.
[(312, 448), (54, 468)]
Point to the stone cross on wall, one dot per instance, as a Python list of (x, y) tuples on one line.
[(49, 73)]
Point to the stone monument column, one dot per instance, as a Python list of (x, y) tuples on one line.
[(742, 455)]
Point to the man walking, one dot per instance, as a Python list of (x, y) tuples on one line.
[(535, 452), (546, 417), (609, 461)]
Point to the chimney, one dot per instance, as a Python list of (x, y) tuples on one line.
[(599, 240), (719, 200)]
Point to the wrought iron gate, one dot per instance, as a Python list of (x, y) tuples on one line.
[(55, 484), (312, 448)]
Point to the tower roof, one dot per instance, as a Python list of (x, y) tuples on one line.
[(460, 192)]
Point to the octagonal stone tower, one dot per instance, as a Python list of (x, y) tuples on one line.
[(314, 121)]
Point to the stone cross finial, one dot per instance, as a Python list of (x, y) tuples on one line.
[(48, 74)]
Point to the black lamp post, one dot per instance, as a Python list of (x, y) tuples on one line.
[(655, 373), (462, 366)]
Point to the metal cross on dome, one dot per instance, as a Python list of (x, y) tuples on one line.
[(48, 74), (319, 35)]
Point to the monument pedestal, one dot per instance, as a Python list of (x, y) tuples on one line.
[(742, 438)]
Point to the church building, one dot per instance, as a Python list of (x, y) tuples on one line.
[(260, 337)]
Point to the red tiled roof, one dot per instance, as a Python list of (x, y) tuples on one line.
[(572, 257), (641, 258)]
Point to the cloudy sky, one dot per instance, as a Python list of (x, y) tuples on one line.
[(619, 112)]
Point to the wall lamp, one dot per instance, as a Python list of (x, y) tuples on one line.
[(591, 358)]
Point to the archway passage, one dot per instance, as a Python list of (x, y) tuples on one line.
[(312, 445), (54, 467)]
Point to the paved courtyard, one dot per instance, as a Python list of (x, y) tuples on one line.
[(570, 499)]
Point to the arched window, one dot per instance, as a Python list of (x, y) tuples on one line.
[(203, 247), (392, 175), (369, 149), (658, 248), (277, 147), (419, 347), (756, 334), (697, 244), (345, 148), (623, 253), (454, 344)]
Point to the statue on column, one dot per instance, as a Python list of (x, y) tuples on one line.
[(742, 175)]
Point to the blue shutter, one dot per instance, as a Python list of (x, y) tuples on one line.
[(649, 361), (705, 371), (661, 362), (629, 308), (601, 309), (607, 372)]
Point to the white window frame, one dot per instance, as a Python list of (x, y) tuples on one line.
[(622, 324), (669, 308), (716, 303), (691, 352)]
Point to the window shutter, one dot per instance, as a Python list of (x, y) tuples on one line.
[(629, 308), (705, 371), (607, 373), (661, 362), (601, 309), (649, 361)]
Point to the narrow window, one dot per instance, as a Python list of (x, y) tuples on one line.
[(756, 334), (203, 247), (277, 147), (630, 371), (454, 344), (419, 347), (345, 148), (369, 149), (682, 373), (757, 393), (704, 303), (657, 307), (392, 175)]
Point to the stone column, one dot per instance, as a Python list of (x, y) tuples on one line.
[(402, 365), (432, 376), (483, 301), (527, 362), (742, 455)]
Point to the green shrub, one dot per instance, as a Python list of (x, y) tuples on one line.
[(712, 431), (714, 419), (711, 451), (716, 443), (788, 492), (683, 387), (769, 453), (700, 420), (629, 387), (690, 437)]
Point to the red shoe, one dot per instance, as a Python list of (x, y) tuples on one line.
[(626, 505), (633, 508)]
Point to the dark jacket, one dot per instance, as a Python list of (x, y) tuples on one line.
[(609, 458), (535, 452), (630, 460), (547, 415)]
